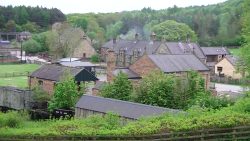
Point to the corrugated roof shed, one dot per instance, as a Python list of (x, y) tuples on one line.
[(178, 63), (123, 108)]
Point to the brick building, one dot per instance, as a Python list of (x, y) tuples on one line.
[(177, 64), (48, 75), (128, 51)]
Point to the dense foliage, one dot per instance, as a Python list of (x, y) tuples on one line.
[(215, 25), (167, 90), (95, 58), (31, 19), (121, 88), (66, 93), (173, 31), (245, 50), (63, 39)]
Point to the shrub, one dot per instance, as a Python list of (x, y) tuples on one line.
[(12, 119), (95, 58)]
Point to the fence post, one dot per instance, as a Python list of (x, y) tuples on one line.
[(234, 137), (202, 135)]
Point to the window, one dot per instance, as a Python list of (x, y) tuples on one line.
[(40, 82), (219, 69)]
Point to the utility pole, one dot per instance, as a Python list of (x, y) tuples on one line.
[(21, 41)]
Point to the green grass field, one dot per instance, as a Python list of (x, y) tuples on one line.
[(9, 68), (235, 51), (20, 81)]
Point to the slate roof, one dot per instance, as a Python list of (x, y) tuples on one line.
[(123, 108), (178, 63), (151, 47), (131, 74), (55, 72), (215, 50), (77, 64), (185, 48), (233, 60)]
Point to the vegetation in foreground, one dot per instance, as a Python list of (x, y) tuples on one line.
[(194, 119)]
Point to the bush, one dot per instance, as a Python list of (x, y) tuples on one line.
[(32, 46), (95, 58), (40, 95), (206, 100), (12, 119)]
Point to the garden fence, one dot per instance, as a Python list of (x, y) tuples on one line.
[(234, 133)]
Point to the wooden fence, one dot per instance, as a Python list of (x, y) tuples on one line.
[(15, 98), (226, 80), (235, 133), (14, 74)]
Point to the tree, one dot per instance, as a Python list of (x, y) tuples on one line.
[(167, 90), (32, 46), (66, 93), (31, 27), (173, 31), (82, 23), (113, 30), (245, 49), (121, 88), (10, 26), (63, 40)]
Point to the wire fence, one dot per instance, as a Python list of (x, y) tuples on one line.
[(14, 74)]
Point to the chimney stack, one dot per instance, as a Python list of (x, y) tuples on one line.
[(111, 63), (114, 40), (153, 36), (136, 36)]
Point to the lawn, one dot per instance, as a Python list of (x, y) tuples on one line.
[(235, 51), (9, 68), (20, 81)]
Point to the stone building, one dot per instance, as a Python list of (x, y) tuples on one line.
[(48, 75), (214, 55), (128, 51), (228, 67)]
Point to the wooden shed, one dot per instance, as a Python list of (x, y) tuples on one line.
[(90, 105)]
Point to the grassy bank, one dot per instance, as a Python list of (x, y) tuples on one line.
[(193, 119)]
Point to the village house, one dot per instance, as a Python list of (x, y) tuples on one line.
[(228, 67), (90, 105), (174, 64), (128, 51), (9, 54), (84, 49), (48, 75), (214, 55)]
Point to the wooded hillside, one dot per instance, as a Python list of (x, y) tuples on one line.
[(215, 25)]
